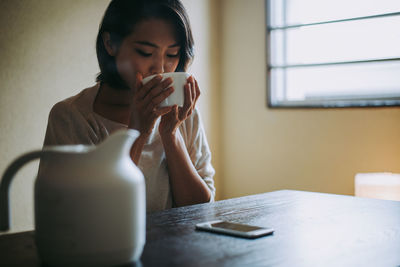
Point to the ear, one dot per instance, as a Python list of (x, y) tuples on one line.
[(111, 50)]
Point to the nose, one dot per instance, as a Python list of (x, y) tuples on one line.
[(157, 65)]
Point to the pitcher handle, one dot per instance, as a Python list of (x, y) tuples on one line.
[(5, 186)]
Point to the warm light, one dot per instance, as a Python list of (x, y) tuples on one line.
[(378, 185)]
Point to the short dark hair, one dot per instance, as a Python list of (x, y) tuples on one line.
[(119, 20)]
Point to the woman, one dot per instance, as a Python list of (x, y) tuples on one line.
[(136, 39)]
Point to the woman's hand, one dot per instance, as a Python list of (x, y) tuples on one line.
[(171, 120), (187, 186), (146, 100)]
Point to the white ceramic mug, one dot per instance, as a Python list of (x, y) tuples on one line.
[(179, 79)]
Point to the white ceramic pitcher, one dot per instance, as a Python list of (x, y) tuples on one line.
[(90, 207)]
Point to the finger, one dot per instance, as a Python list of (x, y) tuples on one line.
[(197, 87), (192, 100), (191, 108), (157, 90), (186, 103), (138, 83), (175, 110), (138, 80), (157, 112), (163, 110), (197, 95), (193, 88), (190, 79), (145, 88), (188, 96), (156, 101), (193, 94)]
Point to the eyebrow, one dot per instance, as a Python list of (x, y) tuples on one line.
[(154, 45)]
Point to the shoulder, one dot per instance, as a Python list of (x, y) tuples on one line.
[(69, 121), (63, 115), (73, 104), (60, 109)]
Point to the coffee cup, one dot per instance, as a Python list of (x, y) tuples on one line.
[(179, 79)]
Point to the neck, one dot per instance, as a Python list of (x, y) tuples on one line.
[(113, 104), (108, 95)]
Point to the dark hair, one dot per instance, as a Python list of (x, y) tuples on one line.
[(119, 20)]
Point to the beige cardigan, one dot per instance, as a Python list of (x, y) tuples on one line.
[(73, 121)]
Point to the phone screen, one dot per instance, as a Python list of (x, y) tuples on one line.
[(235, 226)]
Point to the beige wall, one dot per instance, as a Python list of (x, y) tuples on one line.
[(47, 53), (205, 22), (307, 149)]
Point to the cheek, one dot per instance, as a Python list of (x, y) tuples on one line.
[(171, 65), (127, 69)]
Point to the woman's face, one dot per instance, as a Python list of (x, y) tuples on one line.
[(151, 48)]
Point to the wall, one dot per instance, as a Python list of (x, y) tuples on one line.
[(205, 21), (48, 54), (305, 149)]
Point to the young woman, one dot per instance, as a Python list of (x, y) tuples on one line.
[(138, 38)]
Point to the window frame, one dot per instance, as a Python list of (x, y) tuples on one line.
[(369, 101)]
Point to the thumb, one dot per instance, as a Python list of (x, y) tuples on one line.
[(179, 113), (138, 80), (164, 110)]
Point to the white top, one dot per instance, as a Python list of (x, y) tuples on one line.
[(73, 121)]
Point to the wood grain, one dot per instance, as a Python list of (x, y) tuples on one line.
[(311, 229)]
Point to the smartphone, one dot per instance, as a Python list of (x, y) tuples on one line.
[(235, 229)]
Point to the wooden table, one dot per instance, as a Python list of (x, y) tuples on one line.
[(311, 229)]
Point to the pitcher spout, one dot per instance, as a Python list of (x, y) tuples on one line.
[(118, 143)]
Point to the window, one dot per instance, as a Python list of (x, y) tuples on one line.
[(333, 53)]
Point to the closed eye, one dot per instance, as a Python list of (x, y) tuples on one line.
[(173, 55), (142, 53)]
